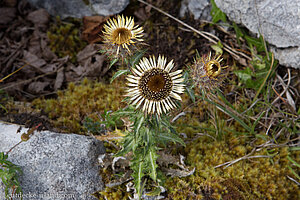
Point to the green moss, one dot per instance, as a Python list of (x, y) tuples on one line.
[(118, 192), (258, 178), (88, 99), (65, 39)]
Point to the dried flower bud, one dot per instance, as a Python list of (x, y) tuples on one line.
[(207, 73)]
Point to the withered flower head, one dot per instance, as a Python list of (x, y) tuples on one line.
[(153, 86), (120, 35), (207, 72)]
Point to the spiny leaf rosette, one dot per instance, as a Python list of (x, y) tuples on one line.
[(153, 86), (207, 72), (120, 36)]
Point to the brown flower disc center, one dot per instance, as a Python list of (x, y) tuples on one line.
[(155, 84), (121, 36)]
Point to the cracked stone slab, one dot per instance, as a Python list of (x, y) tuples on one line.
[(199, 8), (55, 166), (278, 21)]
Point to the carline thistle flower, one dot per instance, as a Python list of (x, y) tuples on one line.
[(207, 72), (120, 35), (153, 86)]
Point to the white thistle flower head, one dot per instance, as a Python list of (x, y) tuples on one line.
[(153, 86), (120, 34)]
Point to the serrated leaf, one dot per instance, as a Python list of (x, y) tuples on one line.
[(136, 57), (112, 62), (128, 145), (138, 175), (137, 125), (152, 159), (191, 94), (119, 73), (168, 137), (186, 76)]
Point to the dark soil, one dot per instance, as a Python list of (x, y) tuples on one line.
[(24, 41)]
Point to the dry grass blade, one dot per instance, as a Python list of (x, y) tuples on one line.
[(234, 53), (12, 85), (1, 80), (285, 86), (265, 80), (239, 159)]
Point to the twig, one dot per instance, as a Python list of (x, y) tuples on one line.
[(13, 147), (239, 159), (253, 104), (1, 80), (206, 35), (177, 116), (293, 180), (283, 85), (26, 81), (206, 134), (278, 95)]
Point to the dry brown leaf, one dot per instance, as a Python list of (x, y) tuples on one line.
[(49, 68), (7, 15), (34, 45), (93, 66), (33, 60), (166, 159), (37, 87), (39, 18), (90, 63), (87, 52), (59, 79), (179, 173), (79, 70), (93, 26)]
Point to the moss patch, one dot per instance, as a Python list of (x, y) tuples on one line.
[(257, 178), (65, 38), (88, 99)]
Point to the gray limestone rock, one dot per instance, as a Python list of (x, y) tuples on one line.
[(199, 8), (80, 8), (277, 20), (55, 166)]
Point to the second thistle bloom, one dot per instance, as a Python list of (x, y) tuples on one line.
[(120, 35), (207, 72), (153, 86)]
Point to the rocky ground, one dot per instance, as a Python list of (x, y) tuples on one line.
[(60, 59)]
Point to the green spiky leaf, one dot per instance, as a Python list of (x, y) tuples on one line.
[(119, 73)]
